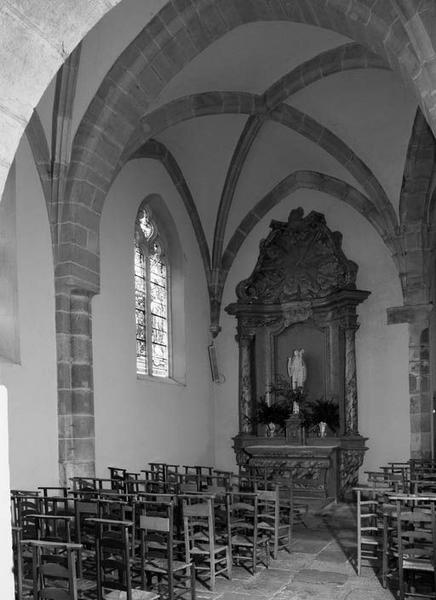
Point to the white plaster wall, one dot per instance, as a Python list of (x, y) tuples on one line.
[(250, 58), (276, 153), (382, 355), (31, 385), (203, 148), (138, 420), (373, 112)]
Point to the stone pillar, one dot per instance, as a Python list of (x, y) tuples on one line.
[(351, 408), (75, 384), (419, 390), (245, 383), (417, 317)]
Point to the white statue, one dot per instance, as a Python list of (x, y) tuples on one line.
[(297, 369)]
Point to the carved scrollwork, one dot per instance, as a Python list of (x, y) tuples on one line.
[(299, 260), (306, 474), (350, 462), (247, 326), (297, 315)]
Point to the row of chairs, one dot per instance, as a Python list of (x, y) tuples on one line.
[(396, 527), (207, 529)]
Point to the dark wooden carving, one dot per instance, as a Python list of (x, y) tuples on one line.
[(301, 277), (299, 260)]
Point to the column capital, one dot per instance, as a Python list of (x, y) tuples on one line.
[(409, 313)]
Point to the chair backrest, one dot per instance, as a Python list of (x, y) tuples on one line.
[(198, 521), (244, 509), (82, 510), (380, 479), (416, 522), (114, 542), (156, 524), (52, 579), (55, 528), (23, 506), (269, 506)]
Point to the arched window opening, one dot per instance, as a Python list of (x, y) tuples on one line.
[(151, 298)]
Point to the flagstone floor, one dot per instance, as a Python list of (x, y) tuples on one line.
[(319, 567)]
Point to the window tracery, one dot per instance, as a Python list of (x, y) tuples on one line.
[(151, 298)]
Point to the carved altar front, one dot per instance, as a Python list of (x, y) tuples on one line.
[(302, 293)]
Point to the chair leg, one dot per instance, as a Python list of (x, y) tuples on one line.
[(229, 563), (401, 580), (19, 573), (212, 574), (359, 543), (192, 574), (35, 574), (385, 551)]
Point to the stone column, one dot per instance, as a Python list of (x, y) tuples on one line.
[(419, 390), (418, 318), (351, 407), (75, 384), (245, 383)]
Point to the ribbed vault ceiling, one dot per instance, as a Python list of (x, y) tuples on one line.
[(265, 109)]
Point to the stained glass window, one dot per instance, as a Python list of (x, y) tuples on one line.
[(151, 299)]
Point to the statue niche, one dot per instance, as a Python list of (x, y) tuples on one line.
[(301, 295)]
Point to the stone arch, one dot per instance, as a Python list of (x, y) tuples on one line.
[(418, 173), (157, 54), (49, 39), (37, 38), (213, 103), (156, 150), (170, 41), (339, 59)]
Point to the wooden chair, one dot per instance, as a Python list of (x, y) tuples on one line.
[(248, 545), (369, 527), (54, 579), (164, 471), (113, 561), (386, 479), (23, 506), (416, 521), (53, 528), (210, 556), (117, 475), (223, 477), (174, 578), (85, 534), (422, 469), (18, 562), (270, 522), (203, 473)]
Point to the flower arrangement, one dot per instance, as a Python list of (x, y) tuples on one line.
[(282, 399), (278, 404), (271, 413), (322, 410)]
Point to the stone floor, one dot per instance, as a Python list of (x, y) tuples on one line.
[(319, 567)]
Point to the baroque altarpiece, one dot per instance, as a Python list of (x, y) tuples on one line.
[(302, 294)]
